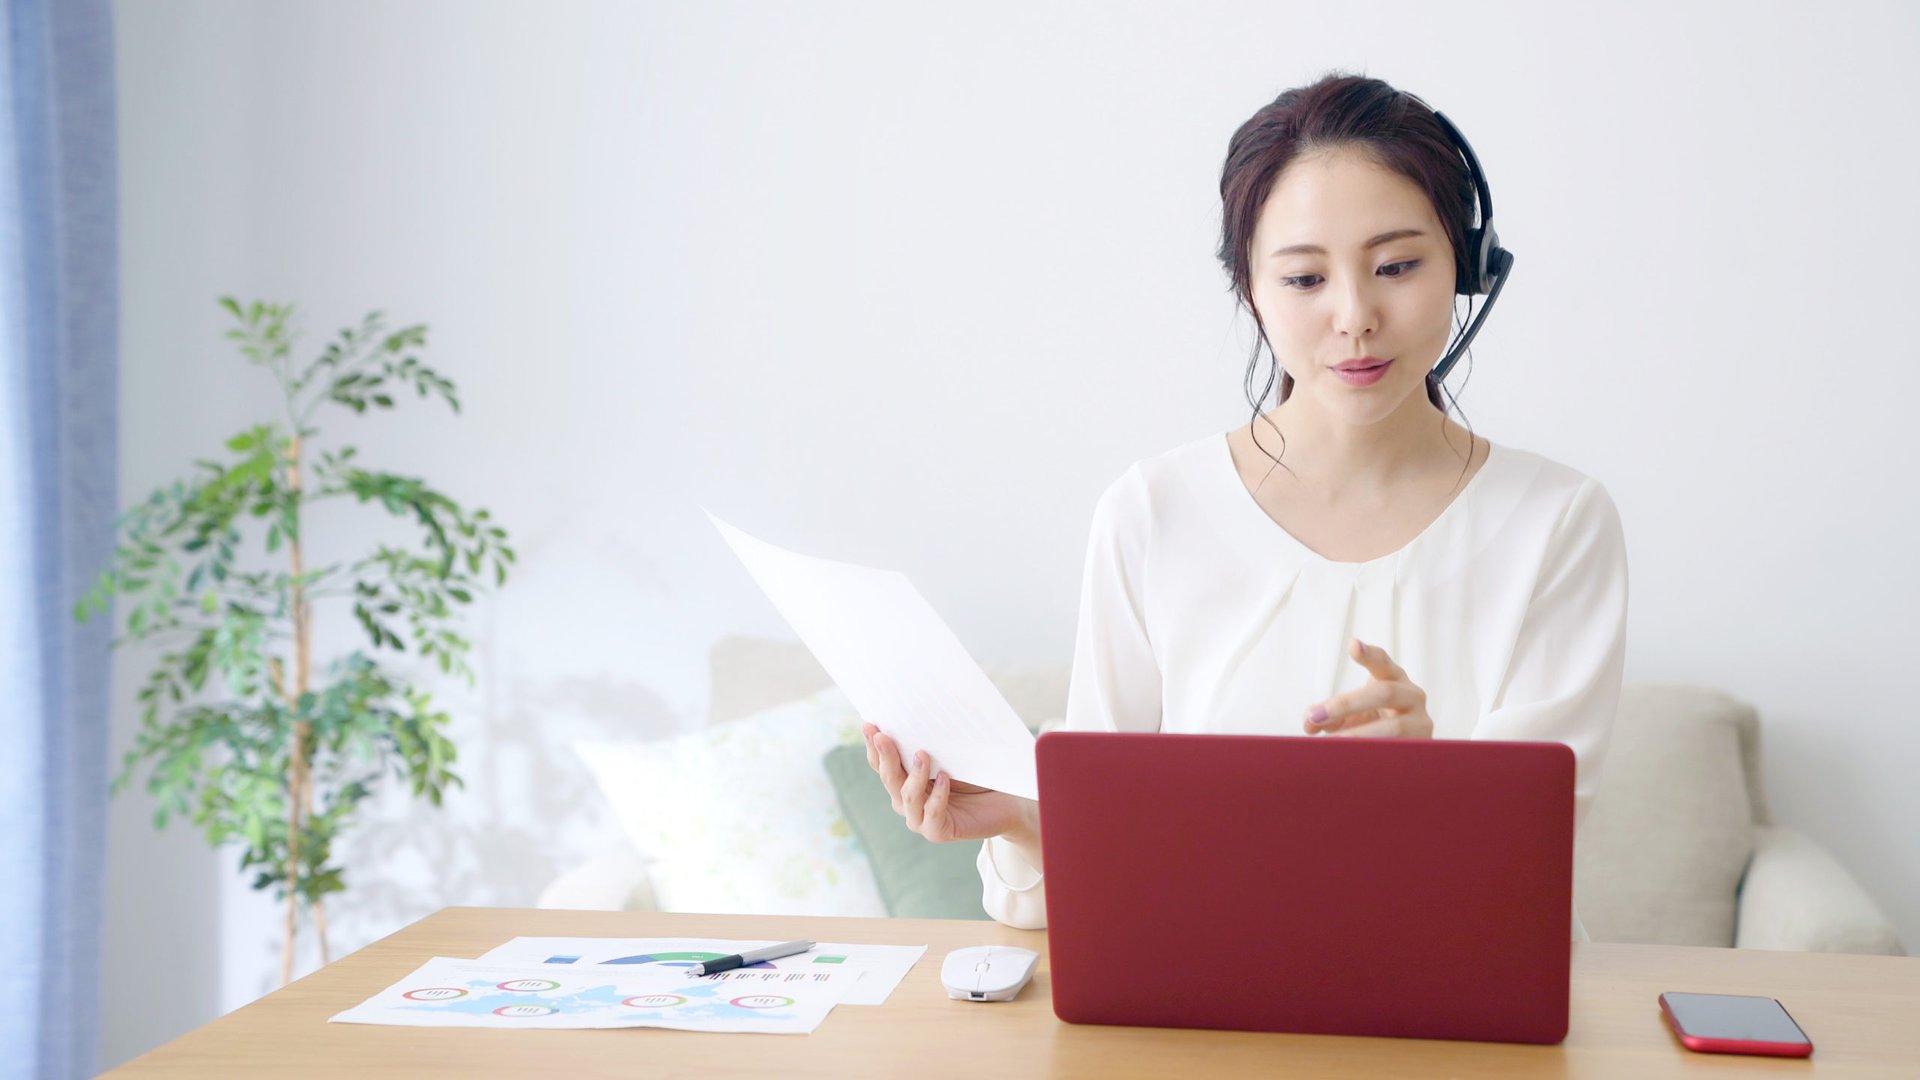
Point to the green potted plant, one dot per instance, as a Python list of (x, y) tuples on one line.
[(238, 732)]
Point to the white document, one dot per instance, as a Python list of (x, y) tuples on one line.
[(867, 974), (446, 992), (897, 662)]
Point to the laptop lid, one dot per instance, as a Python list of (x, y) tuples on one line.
[(1406, 887)]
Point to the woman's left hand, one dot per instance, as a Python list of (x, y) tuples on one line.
[(1388, 707)]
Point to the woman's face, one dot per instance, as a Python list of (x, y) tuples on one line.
[(1392, 300)]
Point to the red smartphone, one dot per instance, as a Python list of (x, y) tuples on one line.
[(1734, 1024)]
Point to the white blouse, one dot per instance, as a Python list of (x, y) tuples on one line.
[(1199, 613)]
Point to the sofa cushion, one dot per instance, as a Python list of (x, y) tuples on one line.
[(1797, 896), (1660, 856), (917, 879), (739, 817)]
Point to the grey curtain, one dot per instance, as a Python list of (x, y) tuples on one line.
[(59, 320)]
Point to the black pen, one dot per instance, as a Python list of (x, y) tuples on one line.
[(751, 956)]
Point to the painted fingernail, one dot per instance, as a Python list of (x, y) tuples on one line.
[(1318, 715)]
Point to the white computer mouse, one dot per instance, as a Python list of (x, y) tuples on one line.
[(987, 972)]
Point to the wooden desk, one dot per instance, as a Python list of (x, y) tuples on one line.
[(1863, 1013)]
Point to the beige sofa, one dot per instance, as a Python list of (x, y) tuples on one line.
[(1679, 848)]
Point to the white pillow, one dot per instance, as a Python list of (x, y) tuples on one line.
[(740, 817)]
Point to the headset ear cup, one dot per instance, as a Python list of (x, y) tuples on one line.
[(1483, 262), (1472, 274), (1489, 257)]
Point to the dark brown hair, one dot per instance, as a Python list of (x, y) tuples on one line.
[(1341, 111)]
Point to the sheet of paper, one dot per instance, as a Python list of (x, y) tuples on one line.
[(897, 662), (872, 971), (447, 992)]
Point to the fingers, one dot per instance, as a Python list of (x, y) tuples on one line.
[(1412, 724), (934, 816), (1365, 705), (892, 773), (1375, 660), (916, 796), (1387, 688), (1333, 724), (1386, 727), (913, 795), (1352, 707)]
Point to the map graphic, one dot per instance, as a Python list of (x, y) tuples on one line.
[(712, 1000)]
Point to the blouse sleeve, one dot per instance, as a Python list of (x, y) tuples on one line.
[(1115, 685), (1562, 682)]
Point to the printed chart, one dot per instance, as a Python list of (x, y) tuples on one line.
[(448, 992), (870, 971)]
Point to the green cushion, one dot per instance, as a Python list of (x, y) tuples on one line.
[(918, 878)]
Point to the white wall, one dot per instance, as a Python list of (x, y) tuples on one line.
[(909, 284)]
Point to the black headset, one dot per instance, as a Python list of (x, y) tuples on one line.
[(1487, 265)]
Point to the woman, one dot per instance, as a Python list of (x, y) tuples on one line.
[(1395, 576)]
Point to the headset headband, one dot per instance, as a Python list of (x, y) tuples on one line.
[(1486, 265)]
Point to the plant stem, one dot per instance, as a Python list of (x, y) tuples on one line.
[(299, 780)]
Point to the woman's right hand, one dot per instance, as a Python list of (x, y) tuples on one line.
[(941, 808)]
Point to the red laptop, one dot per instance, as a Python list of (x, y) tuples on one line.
[(1336, 886)]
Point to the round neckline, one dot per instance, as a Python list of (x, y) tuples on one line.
[(1261, 517)]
